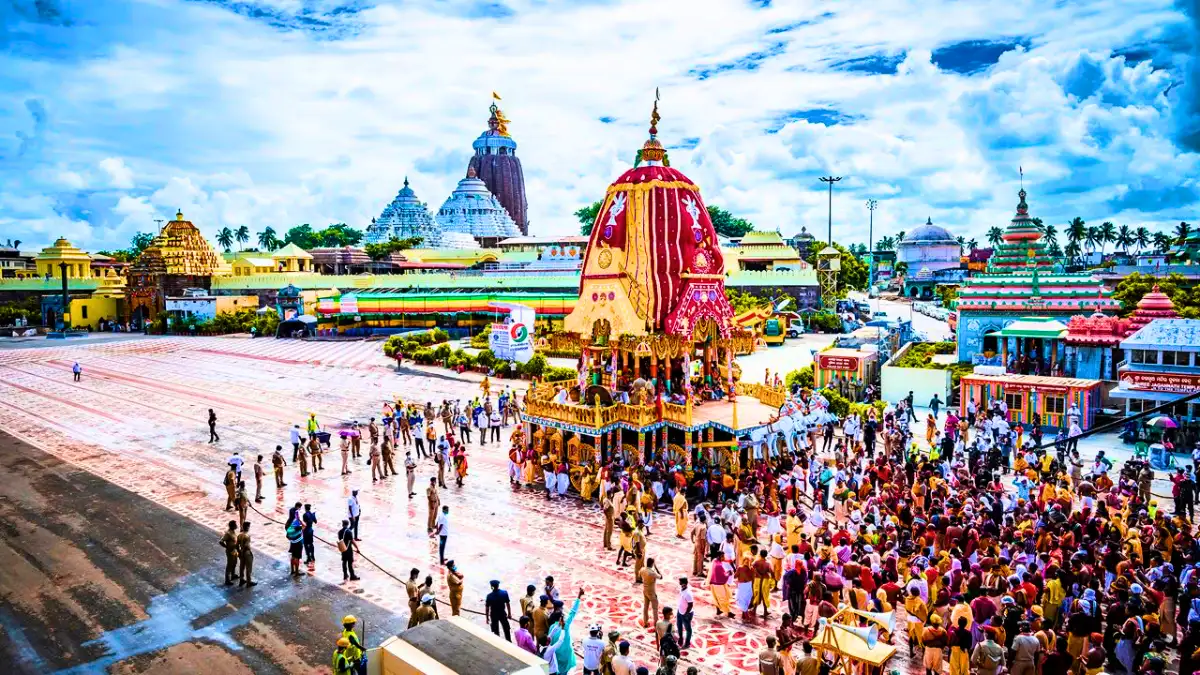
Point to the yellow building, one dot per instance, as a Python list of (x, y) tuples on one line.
[(255, 263), (762, 251), (78, 263), (292, 258)]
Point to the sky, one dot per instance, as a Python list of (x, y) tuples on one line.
[(115, 113)]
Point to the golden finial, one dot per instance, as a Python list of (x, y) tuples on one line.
[(654, 116)]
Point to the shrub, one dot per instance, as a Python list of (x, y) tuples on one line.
[(486, 358), (558, 373), (838, 405), (423, 356), (802, 377), (438, 335), (479, 341), (535, 366), (442, 352), (825, 322)]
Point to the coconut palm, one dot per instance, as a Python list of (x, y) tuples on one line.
[(885, 244), (1054, 249), (972, 245), (225, 238), (1072, 249), (1037, 222), (1091, 238), (1124, 238), (962, 243), (268, 240), (1076, 231), (242, 235), (1141, 237), (1162, 242), (1182, 231), (995, 236), (1106, 234), (1050, 235), (900, 236)]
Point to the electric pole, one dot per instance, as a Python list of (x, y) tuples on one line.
[(831, 180), (871, 204)]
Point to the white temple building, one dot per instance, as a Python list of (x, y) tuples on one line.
[(473, 210), (407, 216), (929, 247)]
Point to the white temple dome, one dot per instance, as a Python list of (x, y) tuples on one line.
[(472, 209)]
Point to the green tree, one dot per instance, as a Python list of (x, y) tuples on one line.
[(267, 239), (1092, 238), (1077, 231), (339, 234), (1162, 242), (381, 251), (899, 237), (302, 236), (587, 218), (742, 301), (1050, 234), (1125, 238), (1141, 236), (225, 238), (1184, 292), (994, 236), (1182, 230), (853, 274), (1105, 234), (886, 244), (947, 294), (242, 235), (140, 242), (901, 268), (962, 243), (726, 224), (972, 244)]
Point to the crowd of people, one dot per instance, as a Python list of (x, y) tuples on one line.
[(995, 548)]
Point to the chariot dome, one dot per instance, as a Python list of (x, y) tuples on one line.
[(653, 262)]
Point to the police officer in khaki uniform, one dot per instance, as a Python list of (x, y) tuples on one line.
[(245, 556), (229, 543), (277, 463)]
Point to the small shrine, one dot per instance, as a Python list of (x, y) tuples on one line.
[(656, 336), (988, 303), (1153, 305)]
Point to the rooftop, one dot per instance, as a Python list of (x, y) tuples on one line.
[(1174, 334)]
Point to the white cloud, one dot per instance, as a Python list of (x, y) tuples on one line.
[(251, 121), (119, 175)]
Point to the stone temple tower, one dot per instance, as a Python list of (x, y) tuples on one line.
[(496, 164)]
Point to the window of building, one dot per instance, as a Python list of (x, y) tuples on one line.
[(1138, 356), (1015, 401), (1056, 405), (83, 311), (1135, 405), (1174, 358)]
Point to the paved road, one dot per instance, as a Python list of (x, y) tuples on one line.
[(936, 330), (95, 578)]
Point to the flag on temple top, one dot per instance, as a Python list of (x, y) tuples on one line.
[(496, 96)]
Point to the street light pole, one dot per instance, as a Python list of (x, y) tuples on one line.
[(871, 204), (831, 180)]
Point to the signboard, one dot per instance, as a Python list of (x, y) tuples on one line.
[(512, 339), (827, 362), (1176, 383), (349, 304)]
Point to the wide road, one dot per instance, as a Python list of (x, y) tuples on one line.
[(934, 329)]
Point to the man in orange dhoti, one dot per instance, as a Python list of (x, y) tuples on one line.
[(680, 507)]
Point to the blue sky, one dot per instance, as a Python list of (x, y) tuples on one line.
[(114, 113)]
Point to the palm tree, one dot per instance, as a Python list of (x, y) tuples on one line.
[(886, 244), (1091, 238), (1124, 238), (1106, 234), (962, 243), (1054, 249), (995, 236), (242, 235), (1037, 222), (1162, 241), (900, 236), (1182, 231), (1141, 237), (1076, 231), (268, 240), (972, 245), (225, 238), (1072, 249), (1050, 234)]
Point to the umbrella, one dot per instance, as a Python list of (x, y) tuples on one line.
[(1163, 422)]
